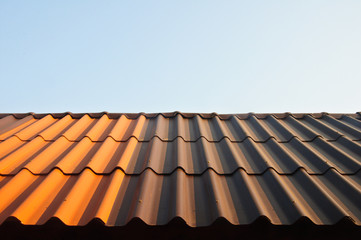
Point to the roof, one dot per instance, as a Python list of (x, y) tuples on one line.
[(198, 168)]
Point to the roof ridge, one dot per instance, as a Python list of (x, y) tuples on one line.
[(241, 116)]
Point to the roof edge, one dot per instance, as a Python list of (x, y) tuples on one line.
[(183, 114)]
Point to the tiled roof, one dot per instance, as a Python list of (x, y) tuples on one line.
[(196, 167)]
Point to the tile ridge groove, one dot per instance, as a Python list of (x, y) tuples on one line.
[(206, 170), (181, 137), (345, 219)]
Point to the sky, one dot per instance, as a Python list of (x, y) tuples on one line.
[(191, 56)]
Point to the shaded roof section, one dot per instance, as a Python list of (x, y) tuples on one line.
[(196, 167), (177, 229)]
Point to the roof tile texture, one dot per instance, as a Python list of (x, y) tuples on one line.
[(199, 167)]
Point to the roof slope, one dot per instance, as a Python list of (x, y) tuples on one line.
[(197, 167)]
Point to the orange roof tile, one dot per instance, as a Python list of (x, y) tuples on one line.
[(197, 167)]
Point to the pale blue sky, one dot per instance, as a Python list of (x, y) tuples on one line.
[(192, 56)]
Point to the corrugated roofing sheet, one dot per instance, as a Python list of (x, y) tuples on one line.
[(144, 128), (199, 167), (224, 157), (198, 199)]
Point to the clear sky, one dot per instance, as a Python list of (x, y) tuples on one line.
[(191, 56)]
